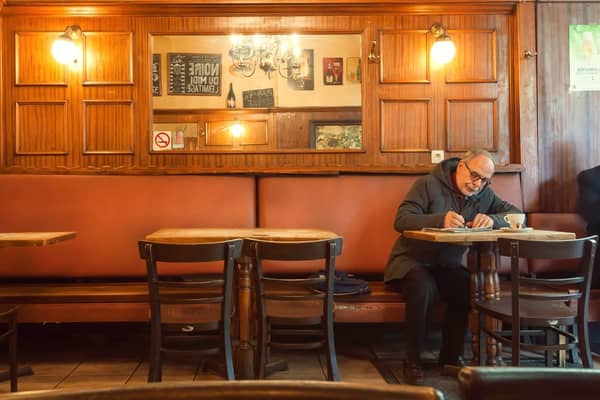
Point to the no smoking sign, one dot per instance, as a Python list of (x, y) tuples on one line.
[(161, 140)]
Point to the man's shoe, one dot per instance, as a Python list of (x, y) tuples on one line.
[(457, 362), (412, 372)]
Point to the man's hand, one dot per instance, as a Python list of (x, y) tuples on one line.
[(453, 220), (481, 221)]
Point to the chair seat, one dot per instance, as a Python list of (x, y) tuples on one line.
[(532, 312)]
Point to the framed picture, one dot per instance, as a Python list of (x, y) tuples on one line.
[(306, 78), (333, 71), (335, 135)]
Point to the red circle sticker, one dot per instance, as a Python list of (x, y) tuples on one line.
[(162, 140)]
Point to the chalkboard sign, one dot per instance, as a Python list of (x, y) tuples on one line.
[(156, 75), (194, 74), (258, 98)]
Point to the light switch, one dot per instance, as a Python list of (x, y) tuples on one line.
[(437, 156)]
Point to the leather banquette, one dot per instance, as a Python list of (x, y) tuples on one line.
[(111, 213)]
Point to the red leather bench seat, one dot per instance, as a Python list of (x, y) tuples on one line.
[(361, 208), (110, 214)]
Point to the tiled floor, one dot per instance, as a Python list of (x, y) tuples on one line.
[(105, 355), (102, 355)]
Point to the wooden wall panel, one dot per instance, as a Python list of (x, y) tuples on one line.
[(120, 86), (108, 127), (472, 123), (404, 56), (568, 122), (33, 50), (475, 59), (41, 128), (405, 125), (108, 58)]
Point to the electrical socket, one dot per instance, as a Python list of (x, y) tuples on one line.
[(437, 156)]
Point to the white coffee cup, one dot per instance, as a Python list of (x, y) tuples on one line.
[(515, 221)]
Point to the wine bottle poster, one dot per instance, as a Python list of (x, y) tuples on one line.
[(353, 71), (333, 71)]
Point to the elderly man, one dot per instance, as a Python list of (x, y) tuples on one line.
[(457, 193)]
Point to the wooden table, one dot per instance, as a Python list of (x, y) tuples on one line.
[(245, 353), (34, 238), (31, 239), (482, 261)]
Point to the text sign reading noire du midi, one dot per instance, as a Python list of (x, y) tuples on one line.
[(194, 74)]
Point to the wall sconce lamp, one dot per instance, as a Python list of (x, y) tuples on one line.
[(443, 50), (64, 49)]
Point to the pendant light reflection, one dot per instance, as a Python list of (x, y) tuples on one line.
[(443, 50), (64, 49)]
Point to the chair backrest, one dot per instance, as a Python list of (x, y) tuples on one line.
[(164, 290), (326, 250), (515, 383), (572, 285), (244, 390)]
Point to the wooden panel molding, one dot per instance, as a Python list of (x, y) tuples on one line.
[(219, 133), (405, 125), (404, 56), (34, 64), (108, 58), (472, 123), (41, 127), (475, 60), (108, 135)]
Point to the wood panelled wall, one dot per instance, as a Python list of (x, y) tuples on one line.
[(569, 122), (96, 116)]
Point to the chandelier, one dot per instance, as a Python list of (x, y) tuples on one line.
[(275, 53)]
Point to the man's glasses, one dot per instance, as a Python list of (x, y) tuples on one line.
[(476, 177)]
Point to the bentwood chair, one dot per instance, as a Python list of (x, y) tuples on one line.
[(8, 316), (241, 390), (543, 306), (291, 314), (190, 317)]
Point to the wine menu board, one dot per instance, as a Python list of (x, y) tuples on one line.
[(194, 74)]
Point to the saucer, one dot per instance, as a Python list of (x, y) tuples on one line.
[(507, 229)]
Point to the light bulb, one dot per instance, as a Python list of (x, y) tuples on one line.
[(236, 129), (443, 50), (64, 50)]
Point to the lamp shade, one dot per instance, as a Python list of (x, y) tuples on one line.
[(443, 50)]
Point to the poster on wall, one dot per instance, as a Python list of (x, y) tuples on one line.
[(156, 75), (194, 74), (305, 80), (333, 71), (584, 57)]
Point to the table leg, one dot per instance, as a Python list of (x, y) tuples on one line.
[(491, 290), (244, 359), (476, 280)]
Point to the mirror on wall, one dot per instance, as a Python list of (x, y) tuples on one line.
[(256, 93)]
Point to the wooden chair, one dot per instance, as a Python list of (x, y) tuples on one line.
[(8, 315), (542, 305), (516, 383), (291, 314), (191, 317), (242, 390)]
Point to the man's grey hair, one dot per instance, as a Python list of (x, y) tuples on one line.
[(471, 154)]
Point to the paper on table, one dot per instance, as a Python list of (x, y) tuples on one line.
[(458, 230)]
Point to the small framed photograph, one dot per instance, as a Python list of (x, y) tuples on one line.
[(333, 71), (336, 135)]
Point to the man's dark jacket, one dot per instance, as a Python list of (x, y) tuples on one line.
[(428, 201)]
